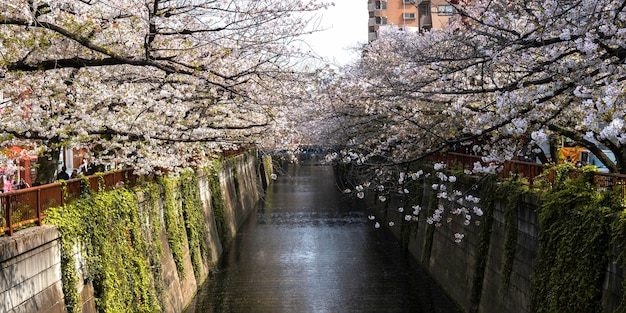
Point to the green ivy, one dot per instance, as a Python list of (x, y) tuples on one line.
[(618, 230), (511, 196), (195, 225), (67, 222), (117, 234), (267, 167), (574, 238), (233, 160), (217, 203), (174, 224), (107, 229), (151, 206)]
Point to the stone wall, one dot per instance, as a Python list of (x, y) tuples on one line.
[(454, 265), (30, 271), (30, 261)]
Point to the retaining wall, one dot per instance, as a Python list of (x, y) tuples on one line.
[(30, 261), (453, 265)]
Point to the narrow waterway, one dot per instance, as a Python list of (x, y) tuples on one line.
[(307, 249)]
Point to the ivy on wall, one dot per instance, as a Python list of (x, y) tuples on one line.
[(217, 203), (174, 224), (113, 238), (574, 237), (194, 220), (115, 253), (510, 192), (618, 231)]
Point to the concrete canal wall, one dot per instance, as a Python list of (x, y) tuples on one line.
[(488, 287), (30, 261)]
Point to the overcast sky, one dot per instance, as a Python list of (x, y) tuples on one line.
[(346, 24)]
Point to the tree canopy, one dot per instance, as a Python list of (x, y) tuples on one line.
[(152, 84), (502, 76)]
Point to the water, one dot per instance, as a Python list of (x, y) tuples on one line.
[(307, 249)]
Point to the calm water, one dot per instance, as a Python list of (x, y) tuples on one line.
[(306, 249)]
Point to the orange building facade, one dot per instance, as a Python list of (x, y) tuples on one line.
[(409, 15)]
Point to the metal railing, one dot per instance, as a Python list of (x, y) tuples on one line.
[(531, 171), (29, 206)]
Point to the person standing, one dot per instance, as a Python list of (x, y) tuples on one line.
[(7, 183), (63, 174)]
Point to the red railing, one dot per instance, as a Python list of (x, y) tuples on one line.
[(29, 206), (530, 171)]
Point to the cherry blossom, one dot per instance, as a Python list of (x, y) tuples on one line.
[(151, 84)]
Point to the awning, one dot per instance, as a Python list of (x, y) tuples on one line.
[(15, 152)]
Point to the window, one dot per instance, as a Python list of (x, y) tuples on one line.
[(409, 1), (380, 20), (381, 5), (445, 10), (425, 18), (409, 16)]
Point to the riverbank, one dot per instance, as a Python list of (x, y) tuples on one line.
[(47, 269)]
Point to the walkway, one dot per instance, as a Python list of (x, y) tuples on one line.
[(308, 250)]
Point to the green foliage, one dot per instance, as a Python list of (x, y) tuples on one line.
[(174, 224), (107, 230), (574, 237), (267, 167), (118, 239), (618, 230), (151, 208), (510, 193), (85, 187), (195, 225), (217, 203), (235, 174), (67, 220)]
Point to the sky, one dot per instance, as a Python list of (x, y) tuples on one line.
[(346, 27)]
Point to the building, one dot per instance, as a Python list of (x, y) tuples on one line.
[(409, 15)]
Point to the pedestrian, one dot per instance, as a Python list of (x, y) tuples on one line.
[(7, 183), (63, 174), (23, 184)]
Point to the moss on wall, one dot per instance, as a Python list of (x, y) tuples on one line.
[(217, 203)]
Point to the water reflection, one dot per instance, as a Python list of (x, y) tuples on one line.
[(306, 249)]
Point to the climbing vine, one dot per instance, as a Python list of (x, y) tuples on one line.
[(235, 174), (510, 193), (102, 235), (111, 239), (618, 230), (217, 203), (195, 225), (574, 237), (174, 224), (151, 207)]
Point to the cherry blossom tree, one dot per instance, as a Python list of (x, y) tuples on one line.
[(152, 84), (503, 76)]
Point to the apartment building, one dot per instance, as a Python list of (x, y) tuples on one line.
[(409, 15)]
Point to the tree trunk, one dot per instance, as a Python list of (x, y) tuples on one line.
[(47, 167)]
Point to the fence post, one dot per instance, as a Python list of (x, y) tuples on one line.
[(7, 208), (38, 222)]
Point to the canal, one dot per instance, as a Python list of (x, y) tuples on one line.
[(307, 249)]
